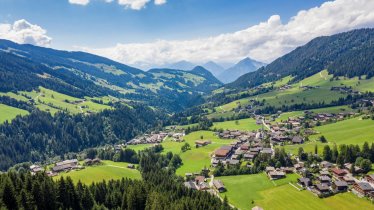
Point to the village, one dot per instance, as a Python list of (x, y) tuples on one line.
[(327, 178)]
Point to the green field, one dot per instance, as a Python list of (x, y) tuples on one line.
[(7, 113), (279, 195), (296, 95), (351, 131), (196, 158), (248, 124), (243, 189), (52, 101), (109, 170)]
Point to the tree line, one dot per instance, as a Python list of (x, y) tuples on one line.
[(159, 189)]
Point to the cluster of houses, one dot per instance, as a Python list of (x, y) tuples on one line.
[(156, 138), (246, 146), (331, 180), (153, 138), (64, 166), (200, 183), (278, 173), (344, 89), (285, 87)]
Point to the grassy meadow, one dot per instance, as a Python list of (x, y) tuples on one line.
[(108, 170), (7, 113), (279, 195), (248, 124), (350, 131)]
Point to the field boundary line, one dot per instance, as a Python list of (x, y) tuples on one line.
[(294, 186)]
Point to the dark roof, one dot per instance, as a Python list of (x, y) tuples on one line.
[(341, 183), (365, 186), (297, 139), (322, 187), (218, 184)]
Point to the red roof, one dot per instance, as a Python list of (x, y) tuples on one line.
[(339, 172)]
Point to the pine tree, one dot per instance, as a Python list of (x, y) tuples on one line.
[(9, 196)]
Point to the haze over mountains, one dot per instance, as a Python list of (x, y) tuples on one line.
[(225, 75)]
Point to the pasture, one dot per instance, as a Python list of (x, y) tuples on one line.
[(248, 124), (279, 195), (350, 131), (7, 113), (108, 170)]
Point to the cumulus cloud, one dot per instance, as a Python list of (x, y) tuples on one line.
[(133, 4), (264, 41), (159, 2), (24, 32), (128, 4), (79, 2)]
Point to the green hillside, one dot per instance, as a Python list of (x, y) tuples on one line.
[(7, 113)]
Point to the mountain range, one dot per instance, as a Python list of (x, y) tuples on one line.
[(242, 67), (82, 74), (225, 75)]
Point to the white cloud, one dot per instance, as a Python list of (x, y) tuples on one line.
[(129, 4), (160, 2), (24, 32), (264, 41), (79, 2), (133, 4)]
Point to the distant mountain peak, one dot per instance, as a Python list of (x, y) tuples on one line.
[(244, 66)]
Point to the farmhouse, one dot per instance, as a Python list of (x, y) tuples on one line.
[(218, 185), (363, 188), (297, 140), (65, 165), (322, 189), (304, 182), (340, 186), (325, 180), (326, 164), (200, 143), (370, 178), (338, 173), (223, 152), (190, 185), (273, 175), (35, 169)]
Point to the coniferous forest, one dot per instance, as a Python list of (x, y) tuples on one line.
[(160, 189)]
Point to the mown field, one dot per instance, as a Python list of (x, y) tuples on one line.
[(52, 101), (248, 124), (296, 95), (7, 113), (351, 131), (196, 158), (109, 170), (279, 195)]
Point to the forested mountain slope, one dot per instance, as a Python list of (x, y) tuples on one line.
[(81, 74), (346, 54)]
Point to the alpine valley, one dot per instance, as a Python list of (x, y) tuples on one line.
[(82, 131)]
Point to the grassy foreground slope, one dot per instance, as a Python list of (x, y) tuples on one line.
[(109, 170), (351, 131), (280, 195), (7, 113)]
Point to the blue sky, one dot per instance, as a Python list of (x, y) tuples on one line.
[(100, 24), (151, 33)]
